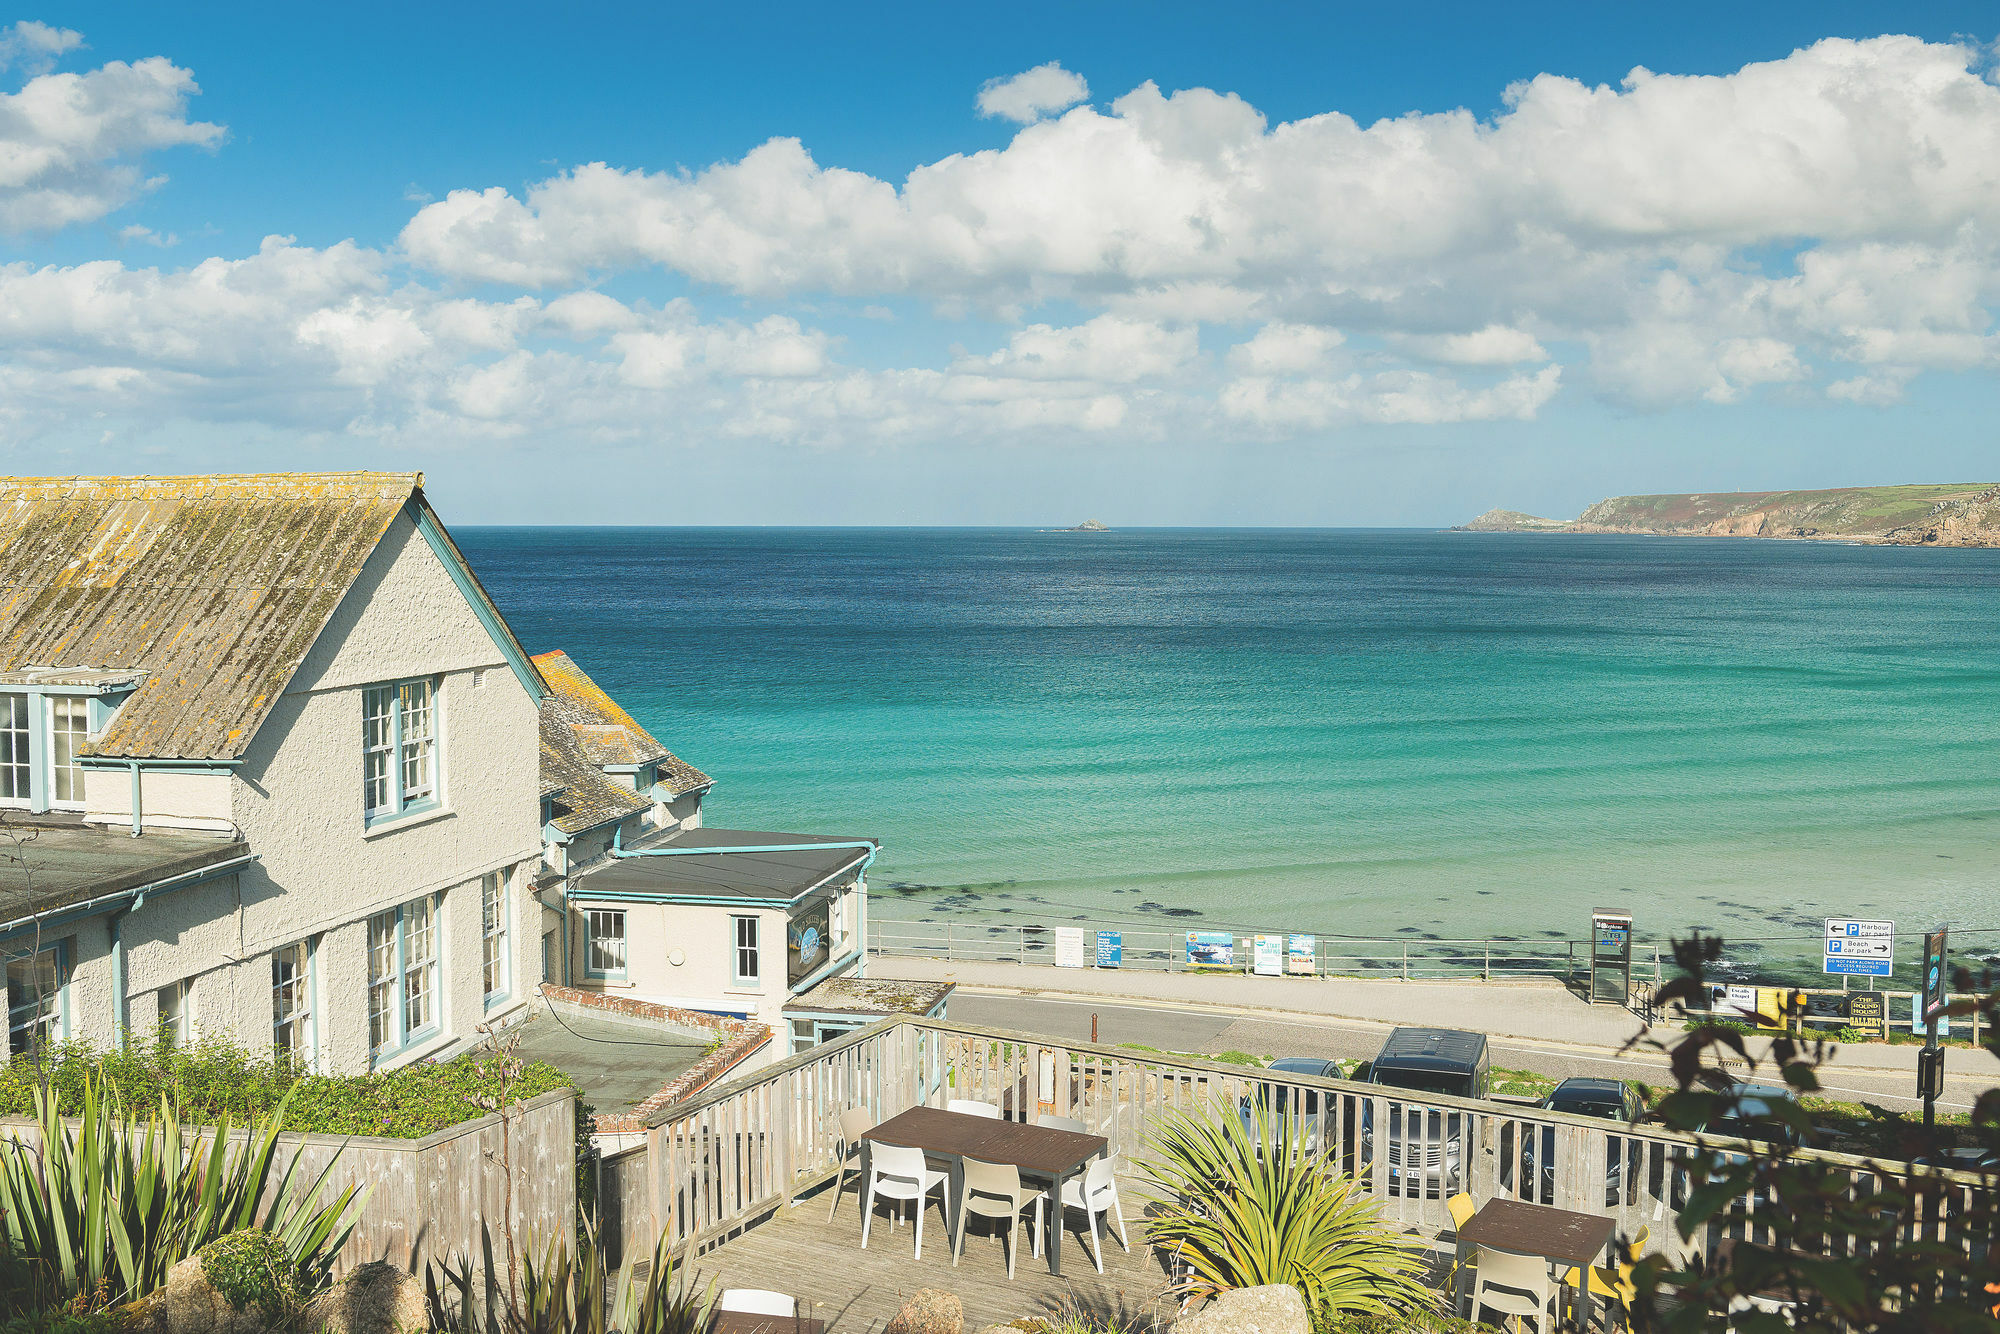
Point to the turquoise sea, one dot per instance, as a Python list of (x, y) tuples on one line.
[(1351, 732)]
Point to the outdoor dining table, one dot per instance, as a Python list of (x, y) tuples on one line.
[(1570, 1239), (1041, 1152)]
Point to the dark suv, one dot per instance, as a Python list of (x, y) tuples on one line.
[(1605, 1099), (1423, 1150)]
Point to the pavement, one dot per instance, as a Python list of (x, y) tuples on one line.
[(1532, 1025)]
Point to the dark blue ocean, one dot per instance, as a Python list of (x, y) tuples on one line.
[(1349, 732)]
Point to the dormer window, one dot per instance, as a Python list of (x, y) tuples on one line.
[(45, 725)]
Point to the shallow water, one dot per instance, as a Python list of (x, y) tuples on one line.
[(1347, 732)]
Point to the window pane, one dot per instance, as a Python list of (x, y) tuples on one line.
[(746, 949), (291, 1001), (14, 747), (418, 743), (381, 981), (69, 728), (607, 942), (375, 743), (493, 932), (174, 1015), (419, 966), (33, 1001)]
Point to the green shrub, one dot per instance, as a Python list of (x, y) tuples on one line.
[(252, 1268), (213, 1080), (1243, 1207)]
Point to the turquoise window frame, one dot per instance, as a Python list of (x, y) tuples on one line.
[(590, 936), (61, 950), (311, 1043), (403, 1038), (400, 806), (103, 704)]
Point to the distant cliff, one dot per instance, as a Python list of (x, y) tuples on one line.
[(1961, 515)]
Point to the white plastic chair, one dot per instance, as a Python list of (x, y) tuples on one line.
[(972, 1107), (897, 1173), (854, 1123), (1062, 1123), (991, 1190), (1095, 1192), (1516, 1285), (756, 1301)]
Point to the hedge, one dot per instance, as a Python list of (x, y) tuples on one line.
[(212, 1079)]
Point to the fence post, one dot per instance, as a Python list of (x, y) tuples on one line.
[(1406, 961), (1486, 973), (1020, 944), (947, 941)]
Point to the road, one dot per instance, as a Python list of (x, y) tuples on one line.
[(1209, 1029)]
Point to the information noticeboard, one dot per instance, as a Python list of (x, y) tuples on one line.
[(1867, 1015), (1856, 948), (1267, 956), (1937, 974), (1110, 949), (1301, 955), (1069, 947), (1211, 949)]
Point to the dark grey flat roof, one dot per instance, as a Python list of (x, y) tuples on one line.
[(749, 876), (50, 862)]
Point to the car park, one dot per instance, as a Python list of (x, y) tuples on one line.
[(1603, 1099), (1292, 1112), (1424, 1146)]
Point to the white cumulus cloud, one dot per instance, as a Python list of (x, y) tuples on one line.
[(1032, 94)]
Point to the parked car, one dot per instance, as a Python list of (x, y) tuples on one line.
[(1284, 1112), (1423, 1146), (1605, 1099)]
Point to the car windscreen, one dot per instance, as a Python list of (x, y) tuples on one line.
[(1578, 1105), (1425, 1081)]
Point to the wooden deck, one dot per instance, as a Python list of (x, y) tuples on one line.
[(855, 1291)]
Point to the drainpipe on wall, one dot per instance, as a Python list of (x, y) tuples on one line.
[(138, 820), (119, 1000)]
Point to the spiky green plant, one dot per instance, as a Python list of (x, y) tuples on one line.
[(109, 1207), (563, 1291), (1246, 1206)]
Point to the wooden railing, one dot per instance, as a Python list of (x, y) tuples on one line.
[(718, 1163)]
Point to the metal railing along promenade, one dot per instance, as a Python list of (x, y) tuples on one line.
[(1410, 958)]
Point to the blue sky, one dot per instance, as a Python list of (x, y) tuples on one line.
[(1210, 300)]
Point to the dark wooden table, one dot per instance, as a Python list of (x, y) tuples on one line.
[(1577, 1240), (1041, 1152), (740, 1322)]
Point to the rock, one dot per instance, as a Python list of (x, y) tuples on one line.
[(1277, 1309), (929, 1311), (191, 1305), (374, 1298)]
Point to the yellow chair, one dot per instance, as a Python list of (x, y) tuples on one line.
[(1616, 1285), (1462, 1209)]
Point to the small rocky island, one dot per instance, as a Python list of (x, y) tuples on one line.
[(1087, 526)]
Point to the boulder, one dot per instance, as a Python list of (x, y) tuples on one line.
[(190, 1304), (1276, 1309), (929, 1311), (374, 1298)]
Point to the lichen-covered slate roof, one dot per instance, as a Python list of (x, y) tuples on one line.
[(215, 587), (605, 734), (584, 797)]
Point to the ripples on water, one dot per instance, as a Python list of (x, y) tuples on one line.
[(1349, 732)]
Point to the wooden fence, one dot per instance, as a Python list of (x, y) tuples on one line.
[(431, 1198), (717, 1164)]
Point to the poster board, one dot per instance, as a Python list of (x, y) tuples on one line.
[(1267, 956), (1868, 1015), (1211, 949), (1301, 955), (1858, 948), (1069, 947), (1110, 949)]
